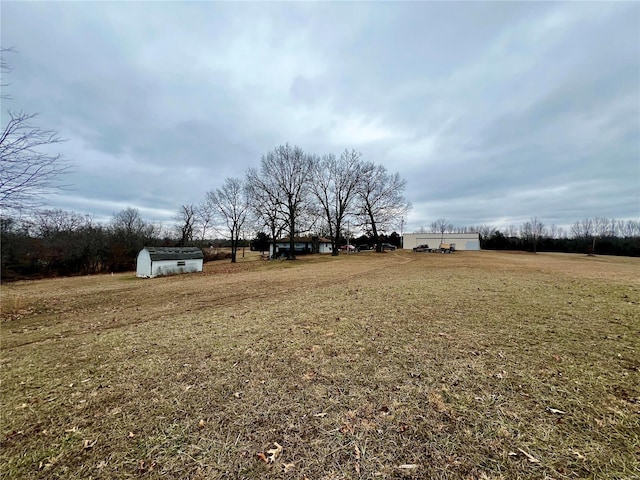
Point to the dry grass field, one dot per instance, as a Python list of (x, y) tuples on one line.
[(476, 365)]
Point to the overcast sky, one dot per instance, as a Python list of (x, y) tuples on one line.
[(494, 112)]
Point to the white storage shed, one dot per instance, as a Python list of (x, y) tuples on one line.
[(158, 261), (462, 241)]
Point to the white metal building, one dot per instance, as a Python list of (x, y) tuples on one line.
[(463, 241), (158, 261)]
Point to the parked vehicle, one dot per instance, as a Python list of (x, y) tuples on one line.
[(447, 247), (388, 246), (422, 248), (364, 246), (348, 248)]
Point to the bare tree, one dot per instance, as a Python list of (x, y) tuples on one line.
[(266, 204), (582, 229), (231, 204), (28, 170), (186, 219), (128, 234), (381, 203), (335, 183), (287, 171), (630, 228), (486, 231), (441, 226), (601, 226), (204, 217), (537, 232), (130, 223)]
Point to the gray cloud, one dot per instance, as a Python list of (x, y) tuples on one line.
[(493, 112)]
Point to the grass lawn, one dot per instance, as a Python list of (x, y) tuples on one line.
[(475, 365)]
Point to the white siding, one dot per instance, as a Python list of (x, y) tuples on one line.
[(147, 268), (325, 248), (172, 267), (143, 264)]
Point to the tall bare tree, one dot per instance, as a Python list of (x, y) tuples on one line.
[(486, 231), (287, 171), (186, 218), (335, 184), (128, 234), (381, 203), (441, 226), (204, 217), (230, 203), (537, 232), (28, 169), (582, 229), (266, 205)]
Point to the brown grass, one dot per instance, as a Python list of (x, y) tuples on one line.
[(478, 365)]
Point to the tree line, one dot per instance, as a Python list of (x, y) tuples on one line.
[(602, 235), (291, 193)]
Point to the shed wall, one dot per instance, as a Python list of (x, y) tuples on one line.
[(172, 267), (143, 264)]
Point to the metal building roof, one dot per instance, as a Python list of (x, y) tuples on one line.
[(174, 253)]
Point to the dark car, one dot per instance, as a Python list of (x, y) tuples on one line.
[(388, 246), (422, 248)]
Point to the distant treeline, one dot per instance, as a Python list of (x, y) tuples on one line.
[(625, 246), (56, 243), (59, 243)]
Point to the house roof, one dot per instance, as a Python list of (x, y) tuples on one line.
[(174, 253), (307, 239)]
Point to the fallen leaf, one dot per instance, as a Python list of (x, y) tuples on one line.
[(131, 434), (555, 410), (512, 454), (146, 466), (286, 467), (408, 466), (356, 466), (530, 457), (201, 424), (273, 453), (237, 394), (357, 452), (88, 444), (320, 415), (262, 457), (579, 455)]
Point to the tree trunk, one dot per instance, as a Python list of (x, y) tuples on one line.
[(292, 239), (234, 247), (273, 242), (335, 240)]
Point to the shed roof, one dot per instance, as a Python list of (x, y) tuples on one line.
[(307, 239), (174, 253)]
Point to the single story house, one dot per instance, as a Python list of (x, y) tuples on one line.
[(158, 261), (302, 245), (462, 241)]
